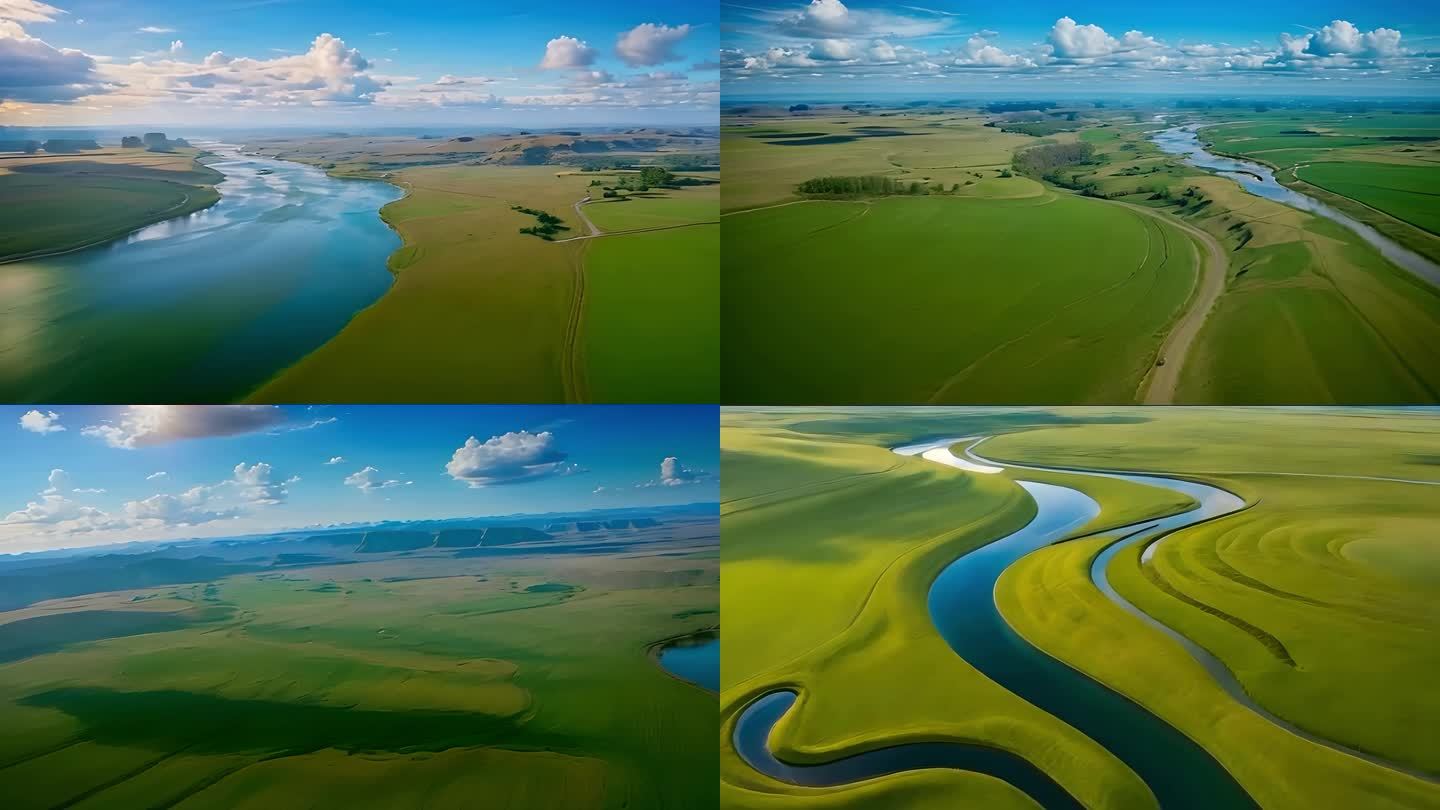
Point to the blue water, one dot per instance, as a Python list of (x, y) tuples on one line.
[(1259, 180), (696, 660), (205, 307)]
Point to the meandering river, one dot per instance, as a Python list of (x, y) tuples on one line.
[(204, 307), (1259, 180), (963, 610)]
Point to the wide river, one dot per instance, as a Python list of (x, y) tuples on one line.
[(1259, 180), (200, 308)]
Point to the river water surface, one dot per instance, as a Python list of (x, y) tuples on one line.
[(1259, 180), (695, 659), (204, 307)]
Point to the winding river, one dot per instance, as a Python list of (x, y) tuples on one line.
[(1259, 180), (962, 607), (204, 307)]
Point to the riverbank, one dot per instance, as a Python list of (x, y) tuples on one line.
[(75, 202), (203, 308)]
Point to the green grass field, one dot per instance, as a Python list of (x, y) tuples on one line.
[(1405, 192), (402, 682), (1335, 571), (651, 324), (482, 312), (948, 299), (54, 204), (823, 304)]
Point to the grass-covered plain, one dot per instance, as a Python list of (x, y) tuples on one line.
[(946, 299), (1337, 571), (408, 681), (482, 312), (55, 203), (865, 308)]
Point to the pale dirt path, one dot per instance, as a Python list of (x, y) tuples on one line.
[(1159, 383)]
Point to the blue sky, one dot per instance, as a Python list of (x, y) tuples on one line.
[(362, 62), (153, 472), (839, 48)]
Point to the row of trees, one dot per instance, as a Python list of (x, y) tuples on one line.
[(873, 186), (1043, 160), (548, 224)]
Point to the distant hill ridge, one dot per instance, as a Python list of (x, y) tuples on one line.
[(381, 542)]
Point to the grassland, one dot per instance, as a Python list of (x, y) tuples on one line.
[(482, 312), (1333, 569), (404, 681), (57, 203), (841, 537), (966, 299), (1338, 323)]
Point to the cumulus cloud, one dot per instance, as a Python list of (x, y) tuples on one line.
[(144, 425), (54, 512), (190, 508), (508, 459), (336, 460), (328, 73), (649, 44), (42, 423), (369, 479), (826, 38), (177, 46), (59, 480), (675, 474), (256, 486), (567, 52), (34, 71)]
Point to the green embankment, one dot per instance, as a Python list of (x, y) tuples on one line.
[(62, 204)]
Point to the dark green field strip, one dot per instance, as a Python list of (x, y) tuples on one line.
[(45, 634), (1272, 645)]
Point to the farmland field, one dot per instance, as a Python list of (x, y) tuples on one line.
[(960, 276), (1265, 645), (304, 671), (523, 307)]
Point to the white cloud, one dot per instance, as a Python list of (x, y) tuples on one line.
[(368, 479), (190, 508), (59, 480), (508, 459), (156, 29), (336, 460), (42, 423), (143, 425), (257, 487), (674, 474), (28, 11), (177, 46), (32, 70), (156, 476), (649, 44), (565, 52)]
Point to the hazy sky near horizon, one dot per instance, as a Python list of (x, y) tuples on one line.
[(850, 48), (89, 475), (357, 62)]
